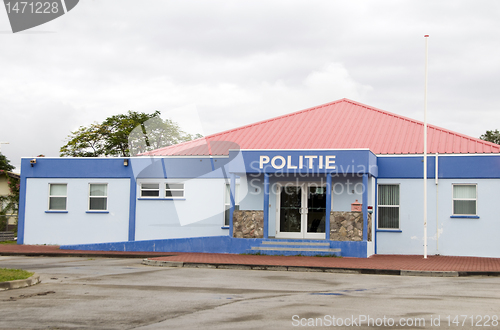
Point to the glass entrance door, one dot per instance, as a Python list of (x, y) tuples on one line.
[(316, 211), (290, 215), (301, 211)]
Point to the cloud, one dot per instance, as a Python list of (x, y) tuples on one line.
[(239, 62)]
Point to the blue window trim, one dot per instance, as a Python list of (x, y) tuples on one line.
[(389, 231), (224, 227), (161, 199), (54, 211), (96, 211), (464, 216)]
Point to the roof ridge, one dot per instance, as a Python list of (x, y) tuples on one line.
[(249, 125), (276, 118), (418, 122)]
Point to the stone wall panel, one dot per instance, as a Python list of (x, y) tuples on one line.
[(248, 224)]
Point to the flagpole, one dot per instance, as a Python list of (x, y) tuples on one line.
[(425, 150)]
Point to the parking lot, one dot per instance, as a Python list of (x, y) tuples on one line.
[(107, 293)]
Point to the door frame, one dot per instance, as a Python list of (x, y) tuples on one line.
[(303, 234)]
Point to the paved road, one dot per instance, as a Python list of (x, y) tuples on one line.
[(100, 293)]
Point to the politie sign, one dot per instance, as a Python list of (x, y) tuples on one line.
[(304, 161)]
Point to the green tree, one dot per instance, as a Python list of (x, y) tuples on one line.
[(157, 133), (491, 136), (124, 135), (9, 203), (5, 163), (118, 128), (85, 142)]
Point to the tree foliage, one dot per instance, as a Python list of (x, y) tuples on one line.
[(5, 163), (9, 203), (124, 135), (85, 142), (491, 136)]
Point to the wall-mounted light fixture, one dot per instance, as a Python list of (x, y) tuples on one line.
[(125, 162), (33, 162)]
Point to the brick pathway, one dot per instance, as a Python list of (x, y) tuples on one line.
[(388, 262), (376, 262), (53, 250)]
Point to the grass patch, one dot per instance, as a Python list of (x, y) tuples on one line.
[(7, 274), (8, 242)]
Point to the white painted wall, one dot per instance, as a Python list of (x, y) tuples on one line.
[(464, 237), (345, 191), (199, 214), (76, 226)]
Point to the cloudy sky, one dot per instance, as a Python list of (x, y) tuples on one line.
[(215, 65)]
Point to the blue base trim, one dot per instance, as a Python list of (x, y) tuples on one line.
[(215, 244), (388, 231), (224, 227), (96, 211), (464, 217), (56, 211), (161, 199)]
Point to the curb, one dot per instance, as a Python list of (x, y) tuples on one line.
[(429, 273), (179, 264), (32, 280)]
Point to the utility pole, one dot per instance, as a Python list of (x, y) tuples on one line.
[(1, 145)]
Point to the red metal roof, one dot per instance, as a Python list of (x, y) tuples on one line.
[(343, 124)]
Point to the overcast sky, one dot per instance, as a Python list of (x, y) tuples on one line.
[(216, 65)]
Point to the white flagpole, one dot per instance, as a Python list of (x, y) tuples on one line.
[(425, 151)]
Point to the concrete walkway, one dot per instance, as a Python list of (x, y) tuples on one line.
[(377, 264)]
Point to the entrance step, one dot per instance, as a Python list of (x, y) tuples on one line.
[(295, 243), (291, 248)]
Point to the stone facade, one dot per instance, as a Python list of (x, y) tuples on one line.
[(248, 224), (348, 226), (344, 226)]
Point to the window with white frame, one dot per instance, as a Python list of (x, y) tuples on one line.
[(150, 190), (464, 199), (98, 197), (388, 207), (174, 190), (58, 195), (227, 202)]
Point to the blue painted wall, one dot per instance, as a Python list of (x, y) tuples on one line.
[(345, 161), (222, 244), (450, 166), (457, 236), (76, 226), (201, 213)]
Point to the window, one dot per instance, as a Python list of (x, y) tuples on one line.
[(227, 202), (98, 197), (464, 199), (388, 207), (150, 190), (58, 196), (174, 190)]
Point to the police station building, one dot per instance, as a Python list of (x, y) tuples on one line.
[(342, 178)]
